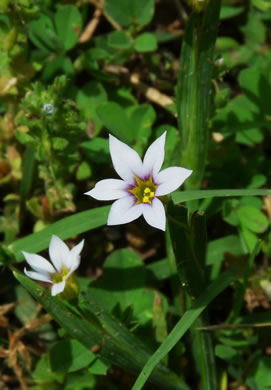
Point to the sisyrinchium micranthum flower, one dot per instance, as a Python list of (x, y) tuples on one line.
[(59, 271), (142, 184)]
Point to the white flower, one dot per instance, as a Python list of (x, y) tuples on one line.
[(64, 263), (142, 184)]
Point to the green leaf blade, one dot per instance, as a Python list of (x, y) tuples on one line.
[(65, 228)]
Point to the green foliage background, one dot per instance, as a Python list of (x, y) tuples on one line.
[(114, 66)]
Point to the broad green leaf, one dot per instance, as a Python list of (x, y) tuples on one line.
[(257, 88), (225, 352), (119, 40), (65, 228), (261, 372), (146, 42), (80, 381), (263, 5), (143, 11), (217, 248), (58, 66), (98, 367), (257, 181), (226, 43), (115, 119), (179, 197), (69, 355), (122, 282), (43, 371), (142, 118), (68, 22), (119, 10), (183, 325), (250, 237), (126, 12), (24, 138), (122, 286), (158, 270), (96, 150), (88, 99), (228, 11), (42, 33), (254, 30), (84, 171), (253, 219)]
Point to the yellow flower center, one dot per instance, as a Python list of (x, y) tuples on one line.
[(60, 277), (144, 190)]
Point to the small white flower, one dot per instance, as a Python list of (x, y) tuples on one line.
[(49, 108), (64, 263), (141, 186)]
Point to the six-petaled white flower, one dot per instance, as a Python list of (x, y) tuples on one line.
[(64, 263), (142, 184)]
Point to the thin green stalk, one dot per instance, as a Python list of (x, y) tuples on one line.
[(189, 246), (174, 280), (194, 90)]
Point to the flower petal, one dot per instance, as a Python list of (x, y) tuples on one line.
[(126, 161), (39, 264), (108, 189), (59, 253), (37, 276), (154, 156), (75, 256), (124, 210), (155, 214), (170, 179), (57, 288)]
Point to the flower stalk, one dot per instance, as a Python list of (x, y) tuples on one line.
[(188, 238), (194, 89)]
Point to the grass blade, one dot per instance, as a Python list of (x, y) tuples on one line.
[(116, 344), (183, 325), (184, 196)]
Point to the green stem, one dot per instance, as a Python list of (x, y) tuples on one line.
[(189, 246), (194, 90)]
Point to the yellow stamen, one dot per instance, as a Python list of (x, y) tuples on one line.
[(144, 190), (60, 277)]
